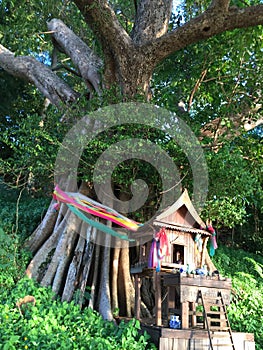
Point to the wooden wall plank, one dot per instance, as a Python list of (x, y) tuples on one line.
[(137, 296)]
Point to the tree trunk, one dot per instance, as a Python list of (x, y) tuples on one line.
[(104, 288), (79, 268), (115, 272), (128, 290), (94, 283)]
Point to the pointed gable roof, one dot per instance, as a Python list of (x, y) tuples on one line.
[(180, 216), (189, 216)]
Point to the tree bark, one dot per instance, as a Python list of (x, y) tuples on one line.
[(42, 257), (86, 264), (79, 268), (104, 289), (127, 285), (74, 269), (129, 60), (94, 283), (152, 19), (215, 20)]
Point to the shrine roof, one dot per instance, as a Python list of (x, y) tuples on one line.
[(183, 200), (192, 222), (178, 227)]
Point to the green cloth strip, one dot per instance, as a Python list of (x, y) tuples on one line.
[(98, 225)]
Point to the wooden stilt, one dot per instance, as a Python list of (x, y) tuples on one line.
[(185, 315), (192, 306), (158, 298), (137, 296)]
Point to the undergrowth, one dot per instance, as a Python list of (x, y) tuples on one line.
[(52, 324)]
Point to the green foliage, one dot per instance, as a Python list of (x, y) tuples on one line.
[(19, 216), (245, 310), (13, 260), (234, 186), (51, 324), (220, 86), (20, 212)]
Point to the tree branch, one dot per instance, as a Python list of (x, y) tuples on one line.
[(215, 20), (31, 70), (87, 62), (196, 87), (240, 122), (104, 23)]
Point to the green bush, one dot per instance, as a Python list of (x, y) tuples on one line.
[(13, 260), (52, 324), (19, 216)]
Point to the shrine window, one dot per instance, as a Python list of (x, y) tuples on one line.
[(178, 254)]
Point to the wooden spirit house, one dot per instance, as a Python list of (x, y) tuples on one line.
[(174, 256), (187, 241)]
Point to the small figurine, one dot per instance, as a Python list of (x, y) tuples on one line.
[(175, 323)]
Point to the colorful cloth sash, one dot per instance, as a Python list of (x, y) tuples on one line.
[(79, 203)]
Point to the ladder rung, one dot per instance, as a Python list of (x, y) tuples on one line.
[(226, 345), (216, 313), (219, 329), (212, 299), (216, 320), (222, 335)]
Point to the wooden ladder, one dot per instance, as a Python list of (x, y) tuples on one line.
[(216, 321)]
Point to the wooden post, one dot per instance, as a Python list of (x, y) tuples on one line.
[(170, 301), (137, 296), (203, 252), (185, 315), (158, 298), (192, 306)]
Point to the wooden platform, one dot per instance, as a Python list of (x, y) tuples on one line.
[(194, 339)]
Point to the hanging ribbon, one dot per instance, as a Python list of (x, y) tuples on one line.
[(155, 256), (90, 206), (164, 243), (98, 224), (199, 242), (213, 243), (159, 249)]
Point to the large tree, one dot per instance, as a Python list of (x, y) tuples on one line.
[(128, 42)]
